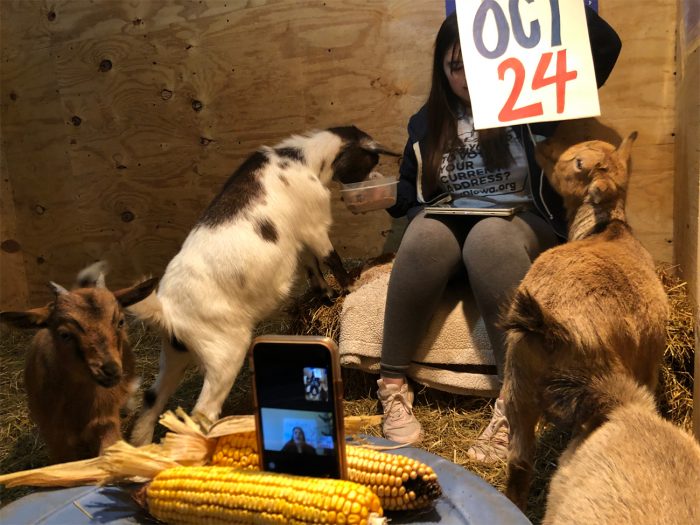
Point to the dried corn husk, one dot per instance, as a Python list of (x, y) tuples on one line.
[(83, 472), (186, 444)]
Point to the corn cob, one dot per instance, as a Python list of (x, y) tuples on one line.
[(222, 495), (402, 483), (237, 450)]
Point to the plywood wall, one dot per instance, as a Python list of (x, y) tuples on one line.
[(640, 95), (121, 119), (687, 189)]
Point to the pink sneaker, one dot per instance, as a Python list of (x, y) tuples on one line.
[(492, 445), (400, 424)]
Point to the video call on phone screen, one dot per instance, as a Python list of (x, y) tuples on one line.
[(294, 385)]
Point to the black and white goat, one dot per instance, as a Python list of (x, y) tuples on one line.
[(239, 262)]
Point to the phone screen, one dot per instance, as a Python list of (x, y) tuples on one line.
[(295, 389)]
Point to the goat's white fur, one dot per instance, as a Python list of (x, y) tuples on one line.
[(227, 278)]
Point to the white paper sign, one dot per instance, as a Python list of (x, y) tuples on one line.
[(527, 61)]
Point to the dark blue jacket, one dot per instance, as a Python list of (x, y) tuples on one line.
[(605, 46)]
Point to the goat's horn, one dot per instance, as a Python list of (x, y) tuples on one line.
[(57, 288), (375, 147), (93, 275)]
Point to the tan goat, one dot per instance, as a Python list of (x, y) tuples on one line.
[(79, 370), (595, 301), (634, 469)]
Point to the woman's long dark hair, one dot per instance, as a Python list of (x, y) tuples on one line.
[(443, 107)]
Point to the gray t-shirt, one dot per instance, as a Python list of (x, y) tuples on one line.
[(469, 182)]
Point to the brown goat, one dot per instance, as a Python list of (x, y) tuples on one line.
[(633, 469), (595, 301), (79, 370)]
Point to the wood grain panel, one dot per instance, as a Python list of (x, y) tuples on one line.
[(687, 192), (30, 26), (640, 95), (40, 23), (128, 116), (132, 127), (14, 294), (34, 145)]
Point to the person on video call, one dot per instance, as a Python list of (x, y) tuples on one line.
[(312, 386), (323, 394), (297, 444)]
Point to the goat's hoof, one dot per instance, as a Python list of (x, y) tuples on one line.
[(203, 421), (326, 296), (346, 283), (330, 300)]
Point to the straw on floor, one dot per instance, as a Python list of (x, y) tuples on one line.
[(451, 422)]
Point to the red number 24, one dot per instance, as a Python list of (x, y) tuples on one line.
[(561, 77)]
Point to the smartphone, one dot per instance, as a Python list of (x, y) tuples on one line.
[(298, 395)]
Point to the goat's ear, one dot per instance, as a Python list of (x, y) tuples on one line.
[(35, 318), (543, 156), (136, 293), (625, 149)]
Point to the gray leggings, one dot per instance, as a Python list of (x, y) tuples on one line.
[(496, 253)]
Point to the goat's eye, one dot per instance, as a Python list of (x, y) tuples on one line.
[(65, 335), (120, 323), (579, 164)]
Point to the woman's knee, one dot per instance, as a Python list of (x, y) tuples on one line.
[(527, 236), (489, 234), (427, 239)]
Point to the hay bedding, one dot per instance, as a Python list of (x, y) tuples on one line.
[(451, 422)]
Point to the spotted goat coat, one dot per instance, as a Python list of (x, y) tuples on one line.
[(239, 262)]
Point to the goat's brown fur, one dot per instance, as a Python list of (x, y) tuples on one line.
[(594, 301), (79, 370), (631, 467)]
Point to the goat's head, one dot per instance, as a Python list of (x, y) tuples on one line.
[(592, 171), (87, 326), (358, 155)]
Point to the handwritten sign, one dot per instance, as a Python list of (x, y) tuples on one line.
[(527, 61)]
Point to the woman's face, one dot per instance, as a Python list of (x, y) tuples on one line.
[(454, 71), (299, 435)]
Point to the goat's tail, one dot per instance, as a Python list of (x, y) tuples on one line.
[(150, 310), (576, 397), (526, 315)]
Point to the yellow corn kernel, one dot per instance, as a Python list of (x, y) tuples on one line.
[(218, 495), (237, 450), (392, 476), (380, 471)]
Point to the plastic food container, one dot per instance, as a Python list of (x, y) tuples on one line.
[(376, 193)]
